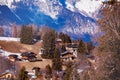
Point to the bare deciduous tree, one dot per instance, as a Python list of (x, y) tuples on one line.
[(43, 30), (1, 31), (14, 30), (109, 43)]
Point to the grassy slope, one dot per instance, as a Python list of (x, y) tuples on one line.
[(17, 47), (30, 65)]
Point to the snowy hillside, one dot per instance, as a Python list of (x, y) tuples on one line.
[(9, 39), (52, 7)]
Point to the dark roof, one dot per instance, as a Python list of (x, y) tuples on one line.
[(65, 53), (29, 54), (72, 45), (7, 72), (13, 55), (59, 40), (35, 68)]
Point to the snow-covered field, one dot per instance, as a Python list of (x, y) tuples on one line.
[(6, 53), (9, 39)]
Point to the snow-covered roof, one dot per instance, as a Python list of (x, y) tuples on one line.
[(66, 52), (59, 39)]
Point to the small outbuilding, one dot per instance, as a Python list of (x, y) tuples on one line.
[(7, 75), (13, 57)]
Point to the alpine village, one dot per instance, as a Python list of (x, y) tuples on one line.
[(41, 53)]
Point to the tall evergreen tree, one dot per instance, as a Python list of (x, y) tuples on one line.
[(26, 35), (90, 47), (49, 44), (61, 36), (57, 65), (63, 49), (81, 47), (65, 38)]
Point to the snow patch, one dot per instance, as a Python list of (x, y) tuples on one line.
[(69, 6), (90, 28), (9, 39), (6, 54), (89, 6), (50, 8), (8, 2)]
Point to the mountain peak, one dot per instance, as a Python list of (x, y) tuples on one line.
[(74, 17)]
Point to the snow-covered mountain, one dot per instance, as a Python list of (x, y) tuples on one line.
[(51, 7), (75, 17)]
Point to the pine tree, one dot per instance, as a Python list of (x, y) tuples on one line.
[(81, 47), (90, 47), (63, 49), (57, 65), (49, 44), (61, 36), (65, 38), (26, 35)]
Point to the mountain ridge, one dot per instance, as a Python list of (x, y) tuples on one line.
[(57, 16)]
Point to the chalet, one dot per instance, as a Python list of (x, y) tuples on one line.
[(7, 75), (31, 75), (30, 56), (71, 47), (59, 41), (37, 74), (67, 56)]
